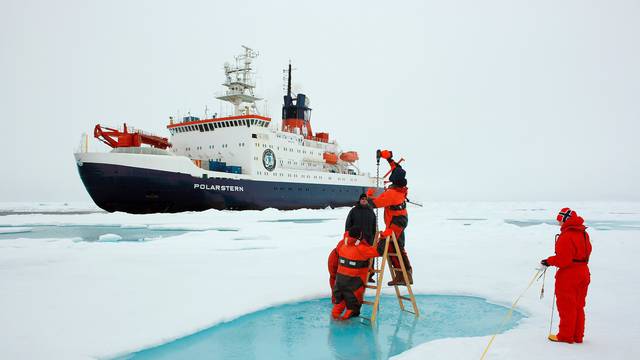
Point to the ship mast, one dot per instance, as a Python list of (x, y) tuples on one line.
[(240, 84)]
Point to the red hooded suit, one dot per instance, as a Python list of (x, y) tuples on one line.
[(573, 249)]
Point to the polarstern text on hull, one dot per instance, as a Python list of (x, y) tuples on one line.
[(217, 187), (237, 161)]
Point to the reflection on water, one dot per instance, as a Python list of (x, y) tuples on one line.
[(90, 232), (304, 330), (596, 224), (301, 221)]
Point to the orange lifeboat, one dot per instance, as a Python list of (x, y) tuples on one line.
[(330, 158), (349, 156)]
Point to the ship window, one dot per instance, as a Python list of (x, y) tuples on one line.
[(200, 128), (235, 122)]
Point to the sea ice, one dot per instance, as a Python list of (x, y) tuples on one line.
[(14, 230), (109, 237), (83, 300)]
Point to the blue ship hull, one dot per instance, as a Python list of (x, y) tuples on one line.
[(141, 191)]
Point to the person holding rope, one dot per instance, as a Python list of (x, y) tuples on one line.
[(573, 249), (394, 202)]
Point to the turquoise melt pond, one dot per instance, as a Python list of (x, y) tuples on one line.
[(304, 330)]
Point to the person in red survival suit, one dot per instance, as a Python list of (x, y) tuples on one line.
[(394, 201), (573, 249), (353, 266)]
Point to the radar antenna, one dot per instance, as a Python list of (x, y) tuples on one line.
[(240, 84)]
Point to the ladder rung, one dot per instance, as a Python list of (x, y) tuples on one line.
[(404, 298), (371, 286), (409, 311), (392, 254), (367, 302), (375, 271), (397, 269)]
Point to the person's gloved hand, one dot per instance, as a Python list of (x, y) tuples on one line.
[(386, 154), (384, 234), (544, 262), (371, 192)]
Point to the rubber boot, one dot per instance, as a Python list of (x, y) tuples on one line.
[(347, 314), (410, 276), (337, 310), (554, 338), (407, 265), (397, 279)]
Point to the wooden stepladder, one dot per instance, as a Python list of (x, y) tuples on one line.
[(380, 275)]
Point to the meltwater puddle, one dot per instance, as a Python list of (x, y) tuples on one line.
[(602, 225), (305, 330), (300, 221), (86, 232)]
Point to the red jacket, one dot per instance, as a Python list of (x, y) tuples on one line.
[(353, 259), (573, 246), (393, 200)]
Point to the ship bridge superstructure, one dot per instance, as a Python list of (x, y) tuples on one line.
[(248, 143)]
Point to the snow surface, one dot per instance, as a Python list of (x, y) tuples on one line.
[(15, 230), (63, 299), (109, 237)]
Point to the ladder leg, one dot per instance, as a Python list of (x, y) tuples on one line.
[(405, 277), (376, 302), (397, 289)]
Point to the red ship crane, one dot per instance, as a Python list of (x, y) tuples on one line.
[(116, 138)]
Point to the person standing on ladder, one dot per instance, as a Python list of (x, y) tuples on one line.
[(394, 202), (353, 266), (573, 249)]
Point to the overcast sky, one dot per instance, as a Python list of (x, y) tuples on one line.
[(486, 100)]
